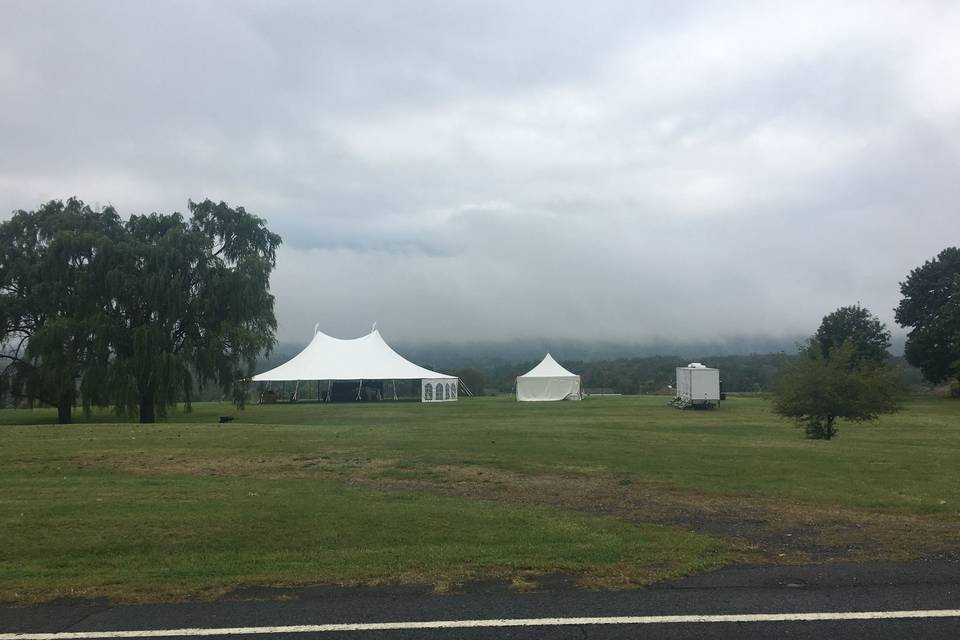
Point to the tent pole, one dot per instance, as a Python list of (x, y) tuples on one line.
[(360, 389), (394, 389), (296, 391)]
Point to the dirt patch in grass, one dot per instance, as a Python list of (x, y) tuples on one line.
[(779, 529), (776, 530), (260, 467)]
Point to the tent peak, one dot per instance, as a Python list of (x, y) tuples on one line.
[(317, 333), (548, 367)]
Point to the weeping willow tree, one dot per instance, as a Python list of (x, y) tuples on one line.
[(189, 304), (52, 269)]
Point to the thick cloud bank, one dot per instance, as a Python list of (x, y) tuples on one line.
[(620, 171)]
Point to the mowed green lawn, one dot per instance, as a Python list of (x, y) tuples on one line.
[(191, 507)]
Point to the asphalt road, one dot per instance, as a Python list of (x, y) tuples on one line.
[(556, 611)]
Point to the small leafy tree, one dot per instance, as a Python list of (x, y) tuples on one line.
[(817, 390), (931, 308), (868, 336)]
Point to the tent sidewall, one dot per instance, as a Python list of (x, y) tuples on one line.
[(548, 388)]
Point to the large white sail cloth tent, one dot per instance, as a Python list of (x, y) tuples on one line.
[(548, 381), (368, 357)]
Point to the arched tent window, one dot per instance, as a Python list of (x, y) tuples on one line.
[(453, 388), (449, 391), (427, 392)]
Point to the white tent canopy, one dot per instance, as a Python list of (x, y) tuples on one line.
[(548, 381), (364, 358)]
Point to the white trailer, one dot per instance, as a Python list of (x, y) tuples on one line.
[(698, 385)]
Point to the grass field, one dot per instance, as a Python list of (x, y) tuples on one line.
[(618, 491)]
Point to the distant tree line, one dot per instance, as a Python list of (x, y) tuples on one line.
[(629, 376), (652, 375), (647, 375)]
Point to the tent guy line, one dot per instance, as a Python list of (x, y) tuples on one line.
[(507, 622)]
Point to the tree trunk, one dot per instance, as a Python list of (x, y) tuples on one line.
[(65, 408), (829, 431), (147, 409)]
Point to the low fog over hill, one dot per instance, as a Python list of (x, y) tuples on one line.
[(481, 354)]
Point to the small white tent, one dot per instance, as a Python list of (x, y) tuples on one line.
[(548, 381), (359, 359)]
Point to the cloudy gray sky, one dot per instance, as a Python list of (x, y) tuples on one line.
[(488, 170)]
